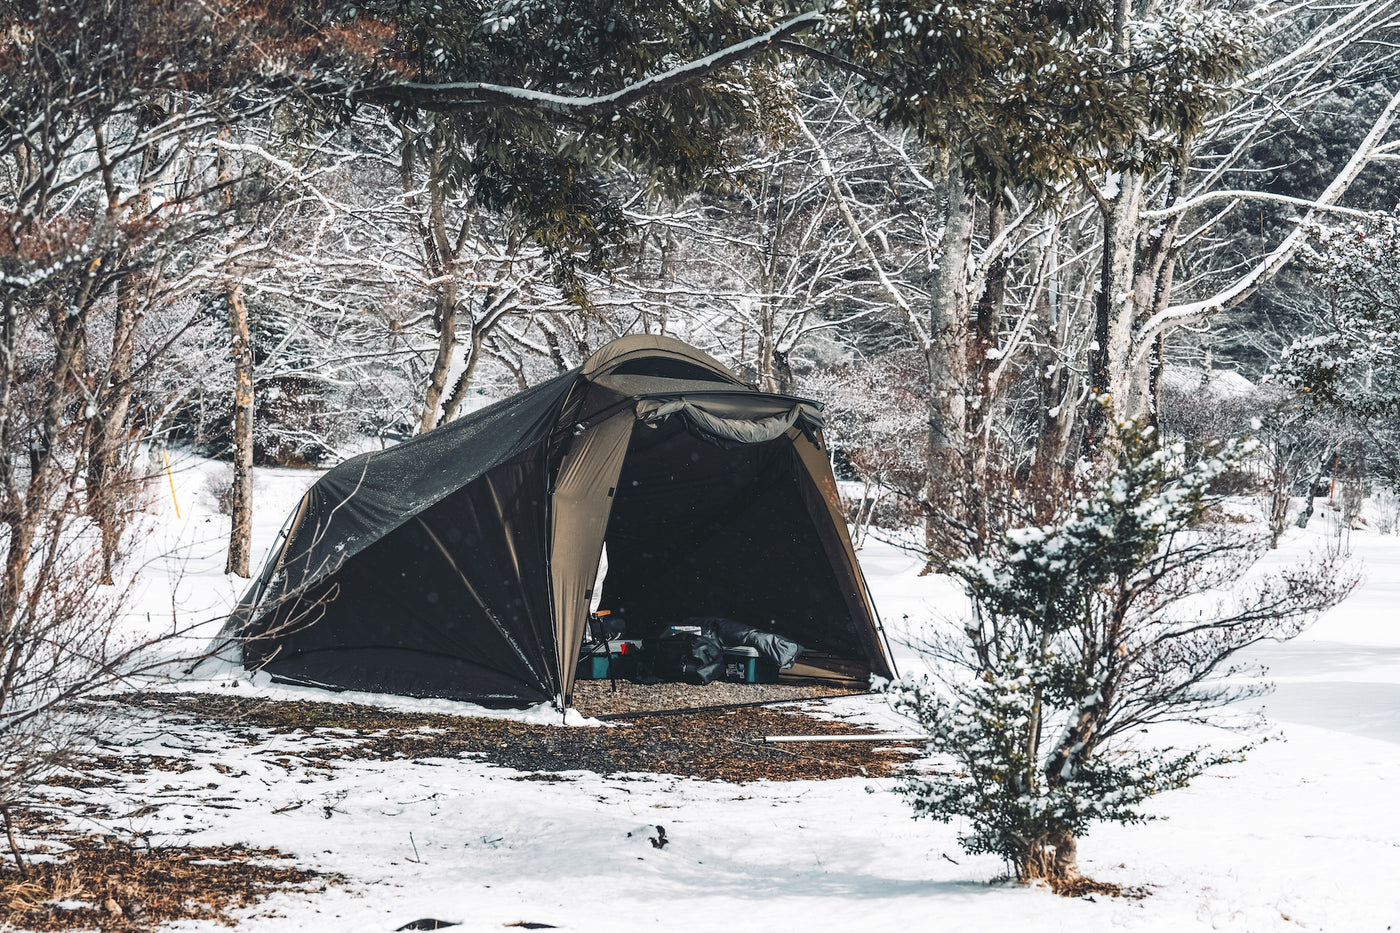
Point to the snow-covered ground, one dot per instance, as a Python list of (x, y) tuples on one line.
[(1303, 835)]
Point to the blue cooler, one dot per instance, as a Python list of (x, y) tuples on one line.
[(622, 653)]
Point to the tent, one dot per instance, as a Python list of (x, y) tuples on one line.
[(461, 563)]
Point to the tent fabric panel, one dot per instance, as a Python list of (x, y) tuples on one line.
[(227, 643), (406, 673), (636, 385), (824, 503), (582, 503), (729, 423), (466, 579), (358, 502)]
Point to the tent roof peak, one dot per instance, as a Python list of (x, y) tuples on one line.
[(636, 346)]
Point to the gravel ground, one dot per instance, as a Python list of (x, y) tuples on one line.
[(597, 697), (718, 744)]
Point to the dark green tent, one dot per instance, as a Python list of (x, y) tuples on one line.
[(461, 563)]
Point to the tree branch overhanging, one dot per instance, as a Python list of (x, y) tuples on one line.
[(1247, 284), (464, 96)]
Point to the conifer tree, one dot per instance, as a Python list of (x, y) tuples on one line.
[(1084, 632)]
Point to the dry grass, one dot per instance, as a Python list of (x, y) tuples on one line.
[(107, 885), (1080, 886)]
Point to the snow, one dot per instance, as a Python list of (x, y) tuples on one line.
[(1303, 834), (1223, 384)]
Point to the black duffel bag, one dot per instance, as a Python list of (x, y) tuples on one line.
[(686, 656), (783, 652)]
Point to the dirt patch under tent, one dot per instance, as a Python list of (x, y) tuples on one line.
[(721, 741)]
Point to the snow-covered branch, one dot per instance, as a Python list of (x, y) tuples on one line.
[(1247, 284), (1181, 207), (480, 95), (895, 293)]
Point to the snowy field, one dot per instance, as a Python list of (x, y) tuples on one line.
[(1303, 835)]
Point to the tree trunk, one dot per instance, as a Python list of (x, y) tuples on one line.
[(438, 258), (1115, 307), (25, 513), (1064, 864), (783, 380), (464, 381), (945, 360), (947, 315), (109, 468), (445, 320), (240, 540), (1154, 386), (772, 196), (1057, 385), (983, 334), (1053, 858), (1115, 310), (1314, 478)]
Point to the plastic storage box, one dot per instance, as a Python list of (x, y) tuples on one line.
[(623, 653), (744, 665), (595, 667)]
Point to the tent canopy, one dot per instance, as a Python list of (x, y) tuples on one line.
[(461, 563)]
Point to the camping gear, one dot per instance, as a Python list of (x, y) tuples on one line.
[(743, 664), (696, 657), (782, 652), (596, 666), (618, 660), (462, 562), (602, 653)]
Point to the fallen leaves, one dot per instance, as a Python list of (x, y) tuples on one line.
[(103, 884), (711, 744)]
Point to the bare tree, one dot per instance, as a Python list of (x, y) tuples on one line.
[(101, 107)]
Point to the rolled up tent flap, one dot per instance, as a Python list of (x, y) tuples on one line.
[(726, 424)]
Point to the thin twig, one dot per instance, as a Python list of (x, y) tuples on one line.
[(14, 845)]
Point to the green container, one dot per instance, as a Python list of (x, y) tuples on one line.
[(743, 665), (595, 667)]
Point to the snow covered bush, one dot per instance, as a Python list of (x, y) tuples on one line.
[(1124, 613), (1385, 507), (989, 726)]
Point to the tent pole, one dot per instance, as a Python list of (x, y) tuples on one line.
[(879, 623)]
